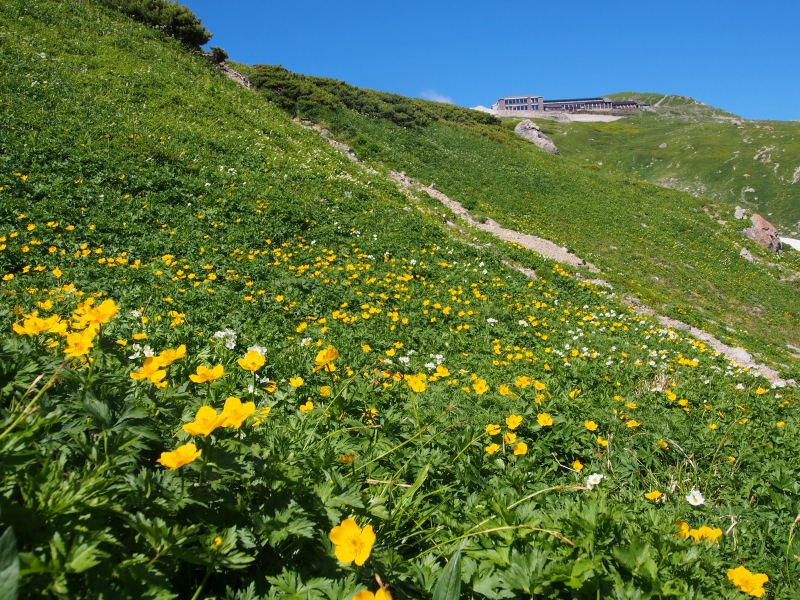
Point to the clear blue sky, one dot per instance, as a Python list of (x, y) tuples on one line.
[(741, 56)]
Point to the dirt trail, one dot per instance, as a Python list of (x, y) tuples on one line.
[(550, 250)]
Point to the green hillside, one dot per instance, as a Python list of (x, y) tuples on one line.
[(686, 145), (663, 246), (236, 364)]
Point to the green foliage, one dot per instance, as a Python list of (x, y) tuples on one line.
[(134, 173), (168, 16), (316, 97), (218, 55)]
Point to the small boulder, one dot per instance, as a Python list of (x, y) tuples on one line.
[(764, 233), (739, 214), (530, 131)]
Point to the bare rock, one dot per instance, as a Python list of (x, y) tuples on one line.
[(764, 233), (745, 254), (530, 131), (662, 146), (739, 214)]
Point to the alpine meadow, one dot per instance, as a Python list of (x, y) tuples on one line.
[(237, 362)]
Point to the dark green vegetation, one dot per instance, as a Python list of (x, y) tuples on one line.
[(132, 171), (666, 247), (170, 17), (705, 151)]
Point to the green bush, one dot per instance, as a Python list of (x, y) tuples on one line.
[(172, 18)]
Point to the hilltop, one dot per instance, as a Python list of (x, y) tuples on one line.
[(684, 144), (237, 363)]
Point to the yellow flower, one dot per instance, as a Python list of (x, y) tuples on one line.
[(522, 381), (480, 386), (590, 425), (492, 429), (307, 407), (205, 375), (513, 421), (750, 583), (252, 361), (416, 382), (325, 359), (295, 382), (381, 594), (662, 444), (366, 348), (182, 455), (574, 393), (78, 344), (544, 419), (353, 544), (205, 421), (760, 391), (234, 412), (139, 336), (510, 438), (492, 448), (602, 442), (325, 391), (539, 386), (170, 355), (654, 495), (520, 449), (577, 465), (632, 423), (151, 370), (504, 390)]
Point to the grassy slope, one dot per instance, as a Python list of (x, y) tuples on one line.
[(749, 163), (119, 145), (656, 243)]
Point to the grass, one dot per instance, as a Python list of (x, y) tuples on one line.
[(156, 218), (698, 150)]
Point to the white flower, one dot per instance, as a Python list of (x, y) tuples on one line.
[(593, 480), (695, 498)]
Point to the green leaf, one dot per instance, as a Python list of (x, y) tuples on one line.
[(449, 585), (9, 565)]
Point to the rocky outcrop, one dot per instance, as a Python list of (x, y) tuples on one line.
[(764, 233), (530, 131)]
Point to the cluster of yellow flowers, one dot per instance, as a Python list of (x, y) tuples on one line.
[(703, 533), (85, 324), (509, 437), (750, 583)]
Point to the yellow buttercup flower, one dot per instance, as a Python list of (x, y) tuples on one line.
[(577, 465), (353, 544), (513, 421), (544, 419), (590, 425), (750, 583), (295, 382), (492, 448), (205, 421), (235, 412), (182, 455), (480, 386), (654, 495), (381, 594), (206, 375), (492, 429), (325, 359), (307, 407), (78, 344), (170, 355), (520, 449), (252, 361), (510, 438)]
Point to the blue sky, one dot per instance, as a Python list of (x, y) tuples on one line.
[(741, 56)]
